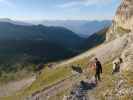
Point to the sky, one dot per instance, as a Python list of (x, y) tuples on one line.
[(58, 9)]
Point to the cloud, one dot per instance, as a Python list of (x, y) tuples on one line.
[(7, 3), (71, 3)]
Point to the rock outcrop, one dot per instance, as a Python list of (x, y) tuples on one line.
[(127, 54), (121, 89), (123, 20), (123, 26)]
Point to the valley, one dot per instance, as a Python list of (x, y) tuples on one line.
[(24, 47)]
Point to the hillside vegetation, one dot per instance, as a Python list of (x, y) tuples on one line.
[(24, 47)]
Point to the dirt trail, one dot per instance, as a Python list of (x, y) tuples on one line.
[(57, 88), (52, 90), (13, 87)]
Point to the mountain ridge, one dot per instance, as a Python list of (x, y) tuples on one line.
[(83, 28), (39, 32), (23, 45)]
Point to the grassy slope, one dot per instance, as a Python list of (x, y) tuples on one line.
[(108, 83), (49, 77)]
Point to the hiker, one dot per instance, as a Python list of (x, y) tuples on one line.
[(98, 69), (115, 67)]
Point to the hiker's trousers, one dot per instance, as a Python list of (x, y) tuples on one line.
[(97, 76)]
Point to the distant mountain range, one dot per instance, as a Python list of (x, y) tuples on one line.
[(83, 28), (22, 43), (56, 35), (38, 42)]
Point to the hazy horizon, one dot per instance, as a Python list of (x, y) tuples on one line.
[(38, 20)]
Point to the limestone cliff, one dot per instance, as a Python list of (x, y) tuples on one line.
[(123, 20), (123, 26)]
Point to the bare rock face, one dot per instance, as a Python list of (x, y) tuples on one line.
[(123, 20), (127, 54), (123, 26)]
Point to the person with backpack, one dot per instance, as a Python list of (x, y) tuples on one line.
[(98, 70), (115, 65)]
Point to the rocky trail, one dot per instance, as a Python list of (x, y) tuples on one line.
[(50, 91), (121, 88), (79, 91), (13, 87)]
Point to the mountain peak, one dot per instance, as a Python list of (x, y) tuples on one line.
[(123, 20)]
